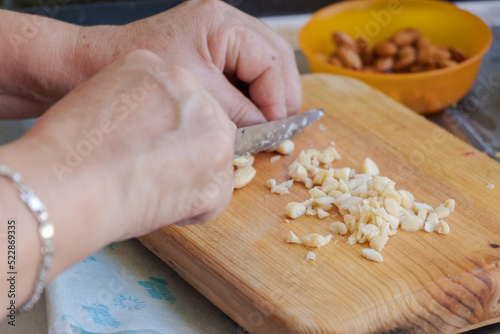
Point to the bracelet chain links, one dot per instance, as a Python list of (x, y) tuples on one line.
[(45, 231)]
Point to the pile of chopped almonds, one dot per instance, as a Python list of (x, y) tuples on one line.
[(370, 205)]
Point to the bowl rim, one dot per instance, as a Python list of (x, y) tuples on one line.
[(395, 76)]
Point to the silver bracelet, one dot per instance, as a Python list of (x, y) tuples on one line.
[(45, 230)]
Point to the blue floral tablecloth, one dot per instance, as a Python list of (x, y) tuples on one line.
[(124, 288)]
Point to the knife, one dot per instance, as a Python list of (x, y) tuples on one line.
[(257, 138)]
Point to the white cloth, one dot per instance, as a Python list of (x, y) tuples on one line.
[(125, 288)]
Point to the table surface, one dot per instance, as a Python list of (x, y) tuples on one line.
[(481, 129)]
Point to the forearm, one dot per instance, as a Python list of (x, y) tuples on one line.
[(42, 59), (107, 170), (81, 223)]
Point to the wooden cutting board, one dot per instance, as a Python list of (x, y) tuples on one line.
[(428, 283)]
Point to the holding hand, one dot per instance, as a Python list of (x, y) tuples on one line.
[(225, 49), (221, 46), (153, 147)]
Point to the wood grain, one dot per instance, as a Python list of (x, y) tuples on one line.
[(428, 282)]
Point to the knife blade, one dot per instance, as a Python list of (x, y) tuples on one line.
[(257, 138)]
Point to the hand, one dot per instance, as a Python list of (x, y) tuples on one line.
[(149, 141), (138, 146), (221, 46)]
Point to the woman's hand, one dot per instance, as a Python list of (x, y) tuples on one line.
[(169, 148), (138, 146), (44, 59), (222, 47)]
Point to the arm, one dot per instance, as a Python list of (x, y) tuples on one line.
[(222, 46), (82, 224), (135, 166), (41, 60)]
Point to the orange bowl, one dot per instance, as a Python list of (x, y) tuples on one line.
[(378, 20)]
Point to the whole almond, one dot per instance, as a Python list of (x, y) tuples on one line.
[(384, 64), (404, 61), (430, 67), (369, 69), (416, 68), (423, 42), (367, 57), (443, 52), (431, 55), (349, 58), (405, 37), (423, 55), (443, 63), (335, 61), (340, 38), (386, 48), (457, 54), (362, 44), (406, 56), (406, 50)]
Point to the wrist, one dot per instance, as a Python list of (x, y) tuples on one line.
[(94, 48), (43, 59), (35, 63), (76, 207)]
